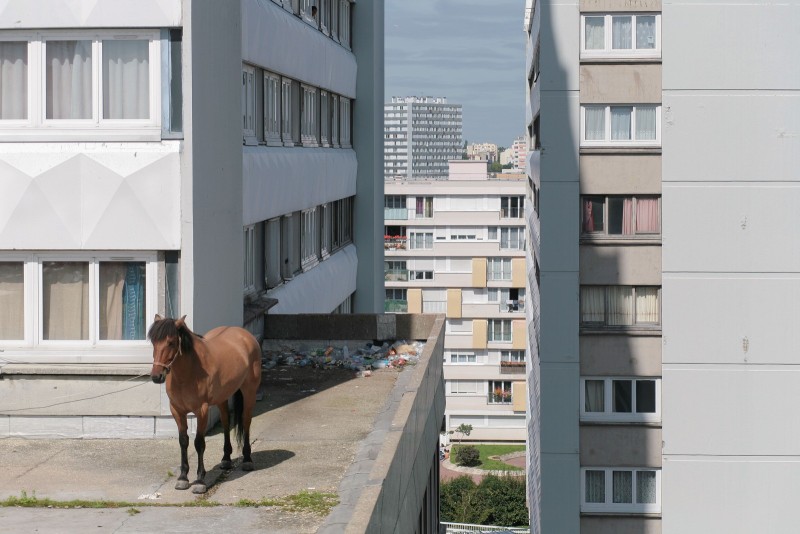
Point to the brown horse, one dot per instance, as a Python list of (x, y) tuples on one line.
[(203, 371)]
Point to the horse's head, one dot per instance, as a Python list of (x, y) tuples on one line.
[(170, 338)]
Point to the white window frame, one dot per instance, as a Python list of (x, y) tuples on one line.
[(38, 127), (249, 104), (249, 259), (608, 51), (607, 141), (514, 356), (345, 130), (504, 273), (506, 331), (492, 385), (464, 387), (427, 240), (309, 240), (33, 307), (287, 112), (609, 505), (272, 109), (324, 118), (608, 414), (604, 232), (518, 232), (605, 325), (310, 116), (463, 358)]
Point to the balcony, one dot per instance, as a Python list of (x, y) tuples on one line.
[(512, 306), (396, 275), (395, 306), (395, 214), (512, 368), (512, 213), (395, 242), (434, 306)]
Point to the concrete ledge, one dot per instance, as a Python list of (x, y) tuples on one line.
[(75, 369)]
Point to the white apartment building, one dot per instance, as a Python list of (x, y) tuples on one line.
[(662, 369), (483, 151), (421, 134), (457, 247), (176, 157)]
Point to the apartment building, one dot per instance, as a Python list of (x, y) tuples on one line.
[(178, 157), (421, 134), (457, 247), (483, 151), (666, 265)]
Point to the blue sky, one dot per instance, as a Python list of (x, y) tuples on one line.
[(471, 51)]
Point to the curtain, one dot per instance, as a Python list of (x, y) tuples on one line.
[(621, 33), (595, 486), (69, 79), (627, 216), (420, 207), (646, 123), (595, 396), (65, 300), (646, 304), (595, 124), (620, 304), (588, 219), (12, 300), (647, 216), (592, 304), (112, 282), (595, 34), (622, 486), (133, 301), (621, 123), (645, 31), (13, 80), (126, 80), (645, 487)]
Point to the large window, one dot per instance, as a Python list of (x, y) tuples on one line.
[(511, 238), (621, 35), (498, 268), (626, 490), (499, 330), (621, 125), (420, 240), (396, 300), (512, 207), (621, 399), (499, 392), (620, 215), (249, 104), (272, 109), (423, 207), (619, 306), (310, 117), (76, 299)]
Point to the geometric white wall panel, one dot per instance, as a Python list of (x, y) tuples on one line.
[(702, 495), (742, 227), (90, 197), (731, 410), (90, 13), (731, 318)]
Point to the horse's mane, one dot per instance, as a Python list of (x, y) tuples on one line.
[(166, 327)]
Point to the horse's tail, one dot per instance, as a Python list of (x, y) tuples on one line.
[(238, 410)]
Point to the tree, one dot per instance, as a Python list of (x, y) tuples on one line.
[(459, 502), (463, 429), (495, 166), (505, 500)]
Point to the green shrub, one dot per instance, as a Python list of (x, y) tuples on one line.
[(505, 498), (467, 455), (459, 502)]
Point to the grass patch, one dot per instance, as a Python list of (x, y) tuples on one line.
[(306, 501), (487, 463)]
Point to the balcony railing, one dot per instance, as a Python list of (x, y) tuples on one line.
[(434, 306), (511, 213), (395, 214), (395, 242), (508, 367), (395, 306), (513, 306), (396, 275)]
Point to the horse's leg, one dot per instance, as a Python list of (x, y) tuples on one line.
[(183, 440), (249, 399), (199, 485), (226, 427)]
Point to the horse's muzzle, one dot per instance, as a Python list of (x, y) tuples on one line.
[(159, 378)]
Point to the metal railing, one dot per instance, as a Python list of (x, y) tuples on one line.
[(461, 528), (395, 306), (396, 275)]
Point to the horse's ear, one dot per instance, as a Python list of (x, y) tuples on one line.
[(180, 324), (157, 318)]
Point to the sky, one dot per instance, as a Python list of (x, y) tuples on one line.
[(471, 51)]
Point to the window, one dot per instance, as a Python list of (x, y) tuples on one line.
[(465, 357), (423, 207), (458, 326), (334, 19), (420, 275), (344, 22), (334, 121), (290, 245), (249, 259), (341, 222), (272, 109), (463, 387), (614, 306), (249, 104), (75, 299), (614, 125), (512, 207), (498, 268), (629, 490), (499, 330), (499, 392), (286, 111), (324, 118), (344, 122), (326, 230), (621, 399), (512, 356), (325, 16), (395, 271), (420, 240), (310, 117), (309, 241), (620, 216), (273, 253), (396, 300), (621, 35), (511, 238)]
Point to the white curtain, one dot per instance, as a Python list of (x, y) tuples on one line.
[(621, 33), (645, 31), (620, 304), (645, 487), (595, 124), (646, 304), (627, 216), (13, 80), (595, 34), (622, 486), (126, 79), (647, 216), (12, 300), (621, 123), (595, 486), (592, 304), (69, 79), (594, 396), (65, 300), (645, 123)]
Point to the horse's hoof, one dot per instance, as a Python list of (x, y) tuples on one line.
[(247, 466), (225, 464), (182, 485), (199, 488)]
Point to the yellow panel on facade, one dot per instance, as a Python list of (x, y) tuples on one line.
[(479, 334), (414, 296), (518, 272), (478, 272), (454, 303), (519, 333), (519, 396)]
